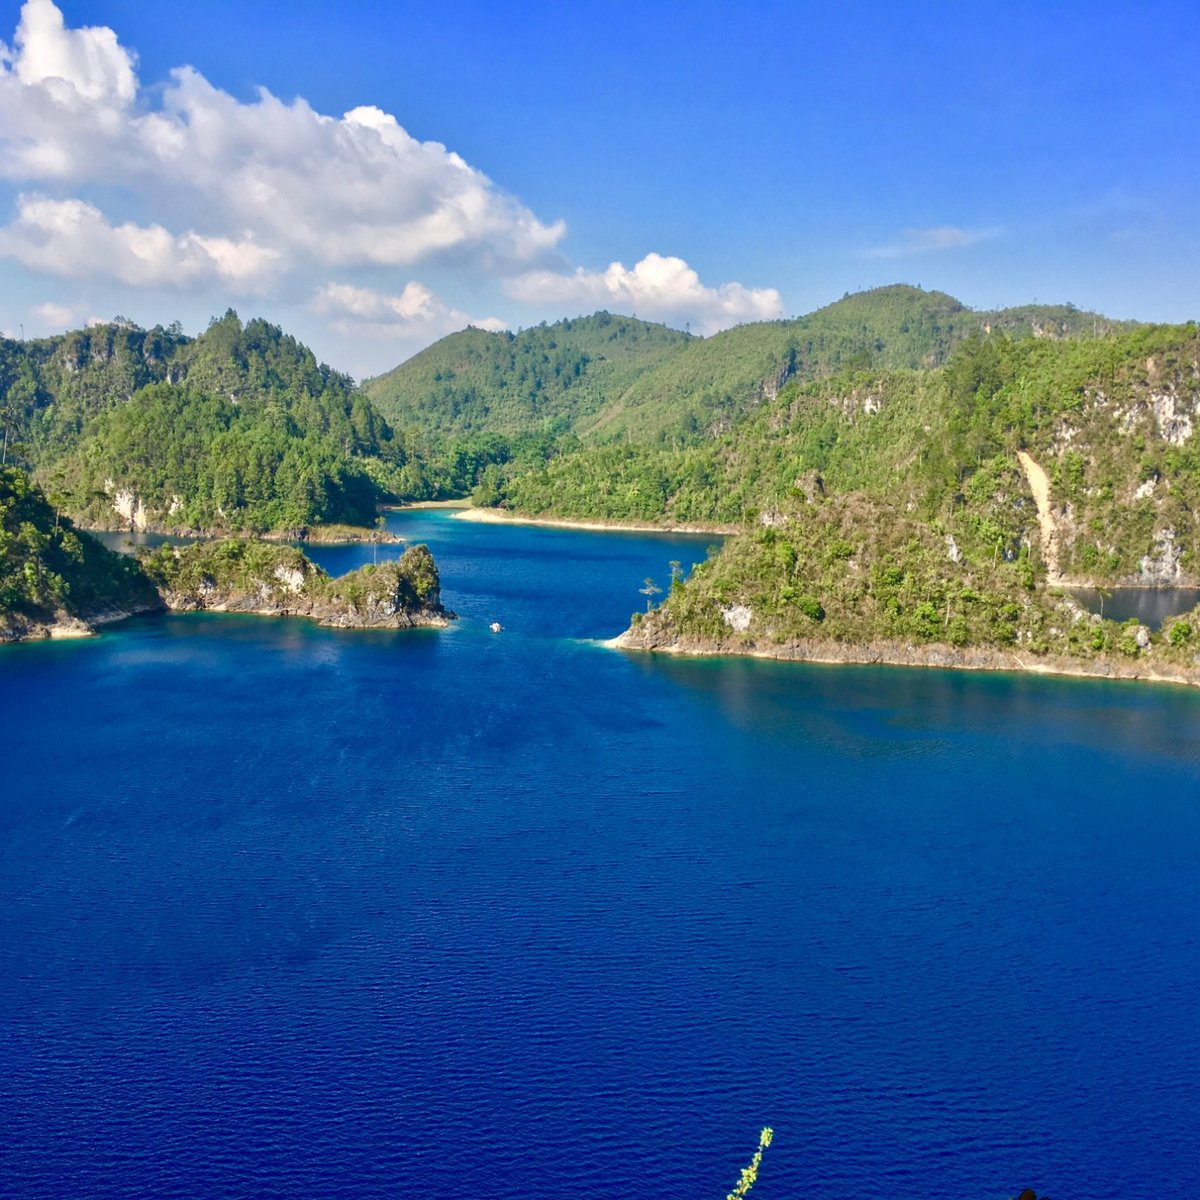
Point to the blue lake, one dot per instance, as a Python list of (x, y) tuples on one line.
[(293, 912)]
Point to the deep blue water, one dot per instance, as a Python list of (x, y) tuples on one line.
[(293, 912)]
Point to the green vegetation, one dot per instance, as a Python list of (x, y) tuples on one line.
[(476, 406), (51, 574), (879, 452), (848, 576), (1108, 418), (602, 378), (892, 507), (55, 579), (544, 380), (240, 428), (750, 1173), (243, 575), (204, 462)]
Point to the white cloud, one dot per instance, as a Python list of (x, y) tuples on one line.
[(74, 239), (57, 316), (926, 241), (659, 286), (88, 60), (222, 175), (416, 313)]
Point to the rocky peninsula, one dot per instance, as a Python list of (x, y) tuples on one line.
[(271, 580)]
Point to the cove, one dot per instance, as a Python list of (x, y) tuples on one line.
[(292, 912)]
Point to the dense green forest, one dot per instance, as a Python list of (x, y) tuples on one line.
[(52, 575), (239, 428), (1105, 416), (608, 417), (547, 380), (603, 377)]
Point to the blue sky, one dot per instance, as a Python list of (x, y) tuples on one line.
[(700, 164)]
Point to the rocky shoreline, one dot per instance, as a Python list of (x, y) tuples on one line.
[(898, 654), (21, 627), (318, 535), (258, 578)]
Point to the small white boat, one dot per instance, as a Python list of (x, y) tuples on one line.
[(496, 627)]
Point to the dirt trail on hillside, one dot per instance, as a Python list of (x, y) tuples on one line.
[(1039, 485)]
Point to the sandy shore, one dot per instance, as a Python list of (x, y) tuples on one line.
[(496, 516), (419, 504)]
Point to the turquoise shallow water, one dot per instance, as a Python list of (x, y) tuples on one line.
[(291, 912)]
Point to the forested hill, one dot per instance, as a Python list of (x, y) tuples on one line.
[(240, 428), (1110, 422), (925, 516), (603, 377), (545, 380)]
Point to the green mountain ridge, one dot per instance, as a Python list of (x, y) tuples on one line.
[(545, 380), (606, 378), (239, 428)]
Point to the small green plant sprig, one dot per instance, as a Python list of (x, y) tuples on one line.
[(750, 1173)]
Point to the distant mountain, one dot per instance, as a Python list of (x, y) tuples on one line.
[(240, 428), (548, 380), (602, 377)]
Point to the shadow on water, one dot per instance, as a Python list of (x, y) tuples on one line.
[(1150, 606)]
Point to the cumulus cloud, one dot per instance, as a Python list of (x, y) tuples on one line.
[(295, 185), (88, 60), (927, 241), (56, 315), (415, 313), (73, 238), (659, 286)]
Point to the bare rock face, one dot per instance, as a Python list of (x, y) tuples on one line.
[(1173, 417), (1163, 567), (130, 507), (737, 617)]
